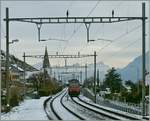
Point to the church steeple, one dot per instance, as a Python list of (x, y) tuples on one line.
[(46, 63)]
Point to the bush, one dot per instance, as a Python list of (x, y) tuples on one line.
[(108, 96), (44, 92), (56, 90), (14, 101)]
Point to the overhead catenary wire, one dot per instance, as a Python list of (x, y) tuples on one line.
[(87, 16), (78, 27), (117, 6), (121, 36), (129, 45), (63, 34), (125, 47), (114, 8), (64, 27)]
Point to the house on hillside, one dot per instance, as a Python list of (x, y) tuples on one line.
[(16, 73), (128, 88), (107, 91)]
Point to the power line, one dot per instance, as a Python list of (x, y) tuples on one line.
[(122, 35), (68, 9), (93, 8), (75, 31), (117, 6), (87, 16), (81, 24), (71, 4), (126, 47)]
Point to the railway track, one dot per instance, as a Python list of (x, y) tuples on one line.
[(81, 118), (50, 102), (52, 107), (44, 105), (112, 114), (95, 111)]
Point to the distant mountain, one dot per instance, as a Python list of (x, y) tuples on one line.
[(16, 61), (133, 71), (90, 70), (101, 67)]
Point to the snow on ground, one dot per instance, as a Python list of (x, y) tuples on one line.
[(108, 108), (85, 113), (31, 109), (62, 112), (98, 110), (85, 98)]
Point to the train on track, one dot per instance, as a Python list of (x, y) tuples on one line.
[(74, 87)]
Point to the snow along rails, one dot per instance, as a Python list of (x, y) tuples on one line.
[(58, 108), (107, 111), (55, 109)]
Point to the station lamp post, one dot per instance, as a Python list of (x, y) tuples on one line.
[(7, 69)]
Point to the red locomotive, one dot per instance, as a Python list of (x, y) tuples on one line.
[(74, 88)]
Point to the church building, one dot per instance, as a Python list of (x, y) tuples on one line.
[(46, 63)]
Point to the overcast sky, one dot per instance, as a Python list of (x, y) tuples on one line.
[(126, 38)]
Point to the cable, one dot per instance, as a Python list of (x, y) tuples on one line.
[(87, 16), (75, 31), (71, 4), (80, 25), (93, 8), (122, 35), (124, 48), (117, 6), (64, 30), (68, 9)]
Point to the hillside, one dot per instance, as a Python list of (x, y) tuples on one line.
[(14, 60), (133, 71)]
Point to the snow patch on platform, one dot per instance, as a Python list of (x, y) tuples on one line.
[(31, 109)]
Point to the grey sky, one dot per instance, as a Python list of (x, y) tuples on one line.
[(118, 54)]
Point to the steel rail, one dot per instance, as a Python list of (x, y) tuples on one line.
[(52, 108), (111, 117), (61, 101), (112, 112), (44, 105)]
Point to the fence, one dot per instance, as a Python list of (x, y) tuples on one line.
[(126, 107)]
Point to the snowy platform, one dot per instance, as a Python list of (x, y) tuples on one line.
[(30, 109)]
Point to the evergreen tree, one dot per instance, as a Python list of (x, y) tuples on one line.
[(113, 81), (130, 83)]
